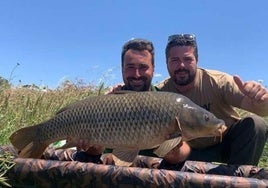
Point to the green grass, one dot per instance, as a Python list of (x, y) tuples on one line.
[(6, 163), (20, 107)]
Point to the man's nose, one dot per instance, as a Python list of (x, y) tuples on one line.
[(180, 63), (137, 72)]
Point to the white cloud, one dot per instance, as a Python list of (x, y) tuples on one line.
[(157, 75)]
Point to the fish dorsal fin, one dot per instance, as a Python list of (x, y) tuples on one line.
[(167, 146), (124, 157), (124, 92)]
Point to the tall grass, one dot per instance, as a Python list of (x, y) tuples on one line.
[(6, 163), (21, 107)]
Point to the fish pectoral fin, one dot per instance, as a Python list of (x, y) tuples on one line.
[(167, 146), (174, 135), (124, 157)]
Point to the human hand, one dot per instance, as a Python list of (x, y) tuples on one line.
[(178, 154), (107, 159), (90, 149), (252, 89), (114, 89)]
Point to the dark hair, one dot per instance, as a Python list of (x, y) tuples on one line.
[(138, 44), (182, 40)]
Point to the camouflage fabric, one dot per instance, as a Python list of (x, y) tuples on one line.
[(58, 169)]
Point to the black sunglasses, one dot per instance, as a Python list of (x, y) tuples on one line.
[(187, 37)]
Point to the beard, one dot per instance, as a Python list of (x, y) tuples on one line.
[(183, 77), (138, 84)]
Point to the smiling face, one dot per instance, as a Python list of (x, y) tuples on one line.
[(137, 70), (182, 65)]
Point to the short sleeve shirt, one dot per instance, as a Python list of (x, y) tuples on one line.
[(216, 92)]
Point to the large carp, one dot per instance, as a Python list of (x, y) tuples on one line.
[(126, 121)]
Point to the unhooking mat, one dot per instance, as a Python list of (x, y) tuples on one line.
[(58, 169)]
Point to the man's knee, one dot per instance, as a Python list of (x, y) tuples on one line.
[(257, 123)]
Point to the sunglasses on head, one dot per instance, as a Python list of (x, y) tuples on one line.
[(187, 37)]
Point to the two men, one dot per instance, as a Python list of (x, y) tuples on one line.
[(218, 92)]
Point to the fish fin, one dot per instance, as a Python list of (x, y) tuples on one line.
[(167, 146), (177, 121), (174, 135), (124, 92), (119, 162), (26, 141), (124, 157)]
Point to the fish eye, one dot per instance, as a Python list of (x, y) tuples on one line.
[(206, 117)]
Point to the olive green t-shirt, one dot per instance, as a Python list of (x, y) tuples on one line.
[(216, 92)]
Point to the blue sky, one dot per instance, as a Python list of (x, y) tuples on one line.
[(55, 40)]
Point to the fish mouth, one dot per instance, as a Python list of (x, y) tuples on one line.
[(217, 132), (222, 128)]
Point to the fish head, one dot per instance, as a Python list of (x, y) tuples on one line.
[(196, 122)]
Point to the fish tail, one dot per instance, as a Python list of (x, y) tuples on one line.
[(26, 141)]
